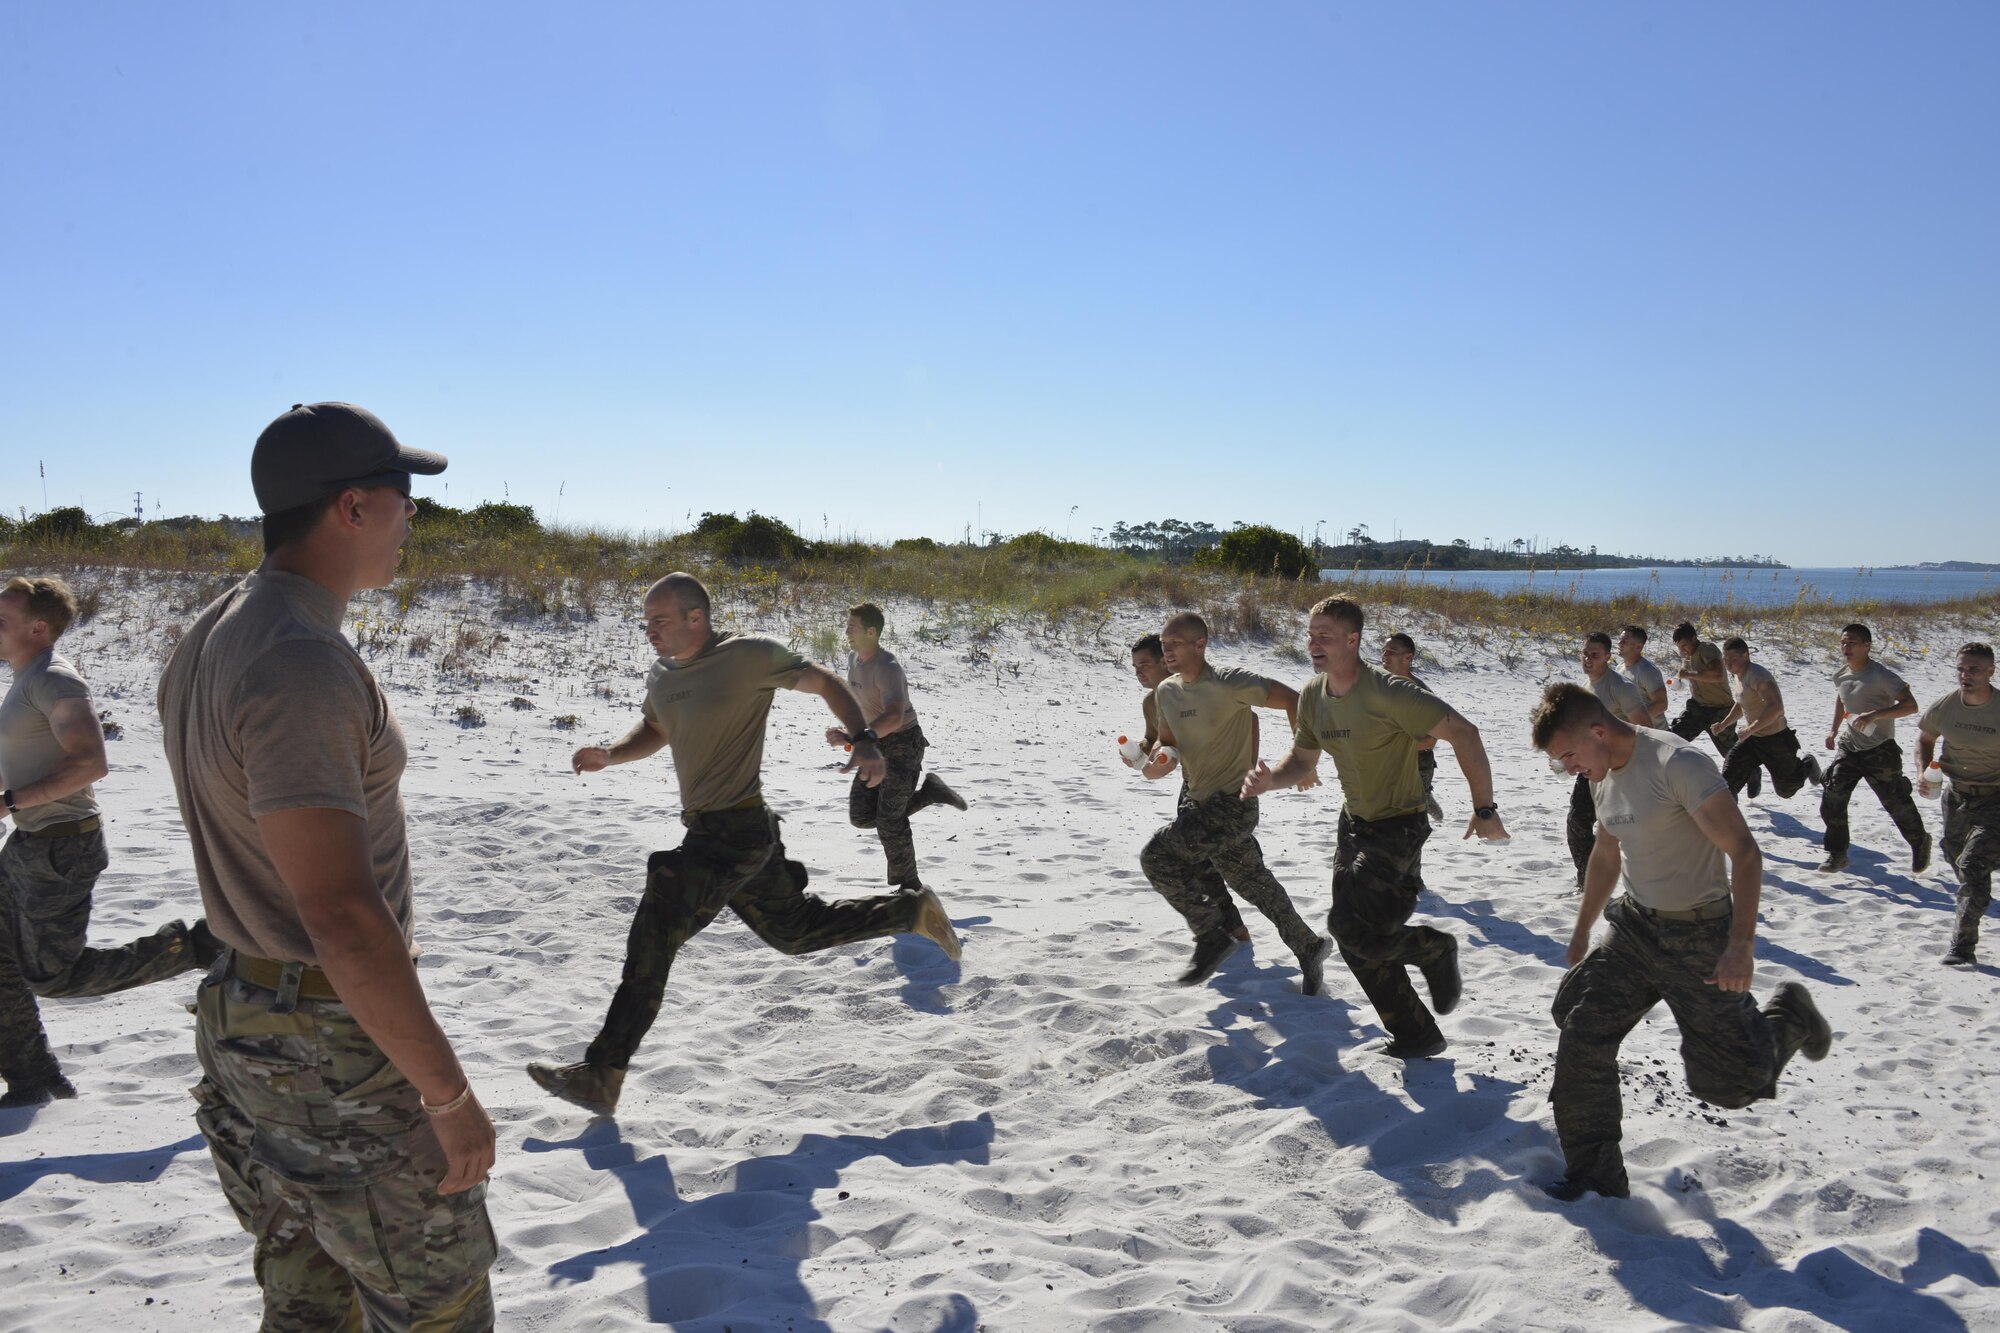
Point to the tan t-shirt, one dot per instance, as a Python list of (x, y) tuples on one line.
[(1971, 738), (1667, 862), (1714, 693), (1372, 733), (265, 708), (1868, 690), (1213, 727), (1750, 687), (1621, 696), (879, 683), (29, 750), (1151, 709), (1650, 681), (712, 709)]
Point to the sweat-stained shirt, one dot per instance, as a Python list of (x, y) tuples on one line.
[(712, 709), (1372, 733), (1212, 723), (1868, 690)]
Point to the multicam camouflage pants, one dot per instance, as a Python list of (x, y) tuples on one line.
[(45, 888), (1216, 839), (1777, 752), (1377, 875), (1881, 767), (1581, 828), (1732, 1050), (1972, 844), (330, 1162), (733, 859), (1695, 721), (887, 808)]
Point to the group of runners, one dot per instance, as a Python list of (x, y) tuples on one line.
[(345, 1133)]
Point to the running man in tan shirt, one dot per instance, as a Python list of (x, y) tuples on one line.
[(1763, 737), (1968, 722)]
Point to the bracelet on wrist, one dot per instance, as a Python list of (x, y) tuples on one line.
[(449, 1106)]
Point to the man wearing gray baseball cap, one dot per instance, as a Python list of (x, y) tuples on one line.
[(345, 1133)]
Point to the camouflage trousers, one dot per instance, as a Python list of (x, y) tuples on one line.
[(733, 859), (1778, 753), (1732, 1051), (1210, 843), (1972, 844), (1581, 829), (1881, 767), (329, 1161), (45, 889), (1695, 721), (1377, 875), (887, 808)]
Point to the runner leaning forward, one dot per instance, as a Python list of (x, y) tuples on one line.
[(51, 751), (1684, 932), (1763, 737), (1868, 698), (1968, 722), (1625, 701), (708, 698), (346, 1136), (1204, 713), (1370, 722)]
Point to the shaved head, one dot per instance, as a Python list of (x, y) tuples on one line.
[(685, 589)]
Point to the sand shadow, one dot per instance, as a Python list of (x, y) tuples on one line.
[(925, 969), (732, 1259), (1496, 930), (101, 1168), (1868, 871)]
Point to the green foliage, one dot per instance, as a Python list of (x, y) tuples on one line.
[(67, 524), (914, 544), (1257, 549), (491, 519), (1043, 549), (755, 538)]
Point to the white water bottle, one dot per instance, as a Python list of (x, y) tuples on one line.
[(1931, 785), (1165, 755), (1130, 750)]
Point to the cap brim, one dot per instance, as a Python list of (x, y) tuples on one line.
[(421, 461)]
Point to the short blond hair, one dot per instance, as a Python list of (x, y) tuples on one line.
[(49, 600)]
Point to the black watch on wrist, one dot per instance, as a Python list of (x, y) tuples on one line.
[(8, 797), (866, 736), (1486, 811)]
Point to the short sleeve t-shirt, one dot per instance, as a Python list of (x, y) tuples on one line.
[(265, 707), (1151, 709), (1212, 723), (1714, 693), (1868, 690), (712, 709), (1750, 693), (1372, 733), (1667, 862), (878, 683), (1971, 738), (1621, 696), (29, 750), (1650, 682)]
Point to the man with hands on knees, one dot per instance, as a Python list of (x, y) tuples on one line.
[(1371, 723), (346, 1135), (708, 699), (1683, 931)]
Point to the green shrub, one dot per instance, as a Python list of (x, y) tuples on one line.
[(67, 524), (752, 538), (1258, 549), (1043, 549), (913, 544)]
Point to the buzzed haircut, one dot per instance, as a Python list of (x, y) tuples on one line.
[(1566, 706), (1636, 631), (289, 525), (869, 614), (1982, 651), (1403, 641), (1148, 644), (48, 599), (1735, 645), (1342, 611), (1858, 630), (688, 591), (1684, 631), (1190, 621), (1599, 639)]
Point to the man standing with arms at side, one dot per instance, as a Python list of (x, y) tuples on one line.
[(1764, 738), (1639, 669), (1968, 721), (878, 682), (1869, 697), (1709, 699), (1370, 722), (708, 698), (1205, 714), (1399, 658), (1623, 700), (1684, 932), (1149, 665), (51, 751), (346, 1135)]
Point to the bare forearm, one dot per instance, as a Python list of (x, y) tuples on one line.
[(637, 743), (1600, 880), (890, 720), (71, 776), (1293, 767), (1746, 882), (1472, 762), (364, 955), (1926, 750)]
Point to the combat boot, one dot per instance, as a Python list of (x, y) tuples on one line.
[(934, 925), (593, 1087), (52, 1088)]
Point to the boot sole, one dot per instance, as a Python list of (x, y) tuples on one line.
[(935, 926), (1819, 1032)]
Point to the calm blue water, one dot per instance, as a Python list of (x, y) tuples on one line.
[(1754, 587)]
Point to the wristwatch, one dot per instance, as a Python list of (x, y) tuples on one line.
[(8, 797), (1486, 811), (866, 736)]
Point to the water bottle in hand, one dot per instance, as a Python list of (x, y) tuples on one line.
[(1931, 785), (1131, 751)]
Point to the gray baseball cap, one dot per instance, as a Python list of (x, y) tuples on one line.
[(318, 449)]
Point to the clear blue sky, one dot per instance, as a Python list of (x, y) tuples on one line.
[(898, 269)]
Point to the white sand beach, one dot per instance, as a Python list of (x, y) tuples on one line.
[(1049, 1135)]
